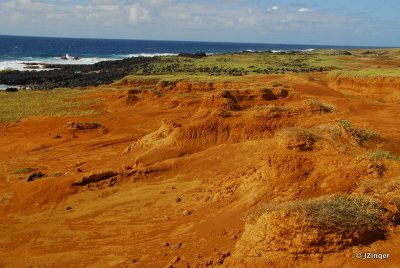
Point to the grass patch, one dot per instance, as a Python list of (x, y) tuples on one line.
[(361, 134), (339, 212), (325, 107), (24, 170), (57, 102), (184, 95), (366, 73), (380, 154)]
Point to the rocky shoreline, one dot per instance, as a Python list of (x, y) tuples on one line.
[(71, 76)]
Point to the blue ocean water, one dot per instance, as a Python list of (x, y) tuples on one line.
[(17, 50)]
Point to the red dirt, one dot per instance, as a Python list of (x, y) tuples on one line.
[(167, 179)]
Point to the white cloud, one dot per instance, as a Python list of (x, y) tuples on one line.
[(138, 14), (304, 9), (172, 19)]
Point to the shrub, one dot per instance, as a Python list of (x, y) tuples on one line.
[(361, 134), (380, 154), (339, 212), (325, 107)]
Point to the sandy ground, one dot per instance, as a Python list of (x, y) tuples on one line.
[(177, 203)]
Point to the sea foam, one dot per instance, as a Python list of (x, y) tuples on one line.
[(24, 64)]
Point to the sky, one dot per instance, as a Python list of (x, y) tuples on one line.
[(320, 22)]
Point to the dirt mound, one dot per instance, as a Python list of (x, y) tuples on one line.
[(189, 86), (385, 89), (296, 139), (83, 125), (95, 177), (322, 225), (131, 97), (222, 100), (174, 139), (233, 100)]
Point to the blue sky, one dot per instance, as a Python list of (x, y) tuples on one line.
[(333, 22)]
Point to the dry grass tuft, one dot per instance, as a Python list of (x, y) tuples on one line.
[(325, 107), (335, 212)]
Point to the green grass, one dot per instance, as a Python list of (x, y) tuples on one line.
[(380, 154), (325, 107), (228, 66), (57, 102), (232, 65), (341, 212), (24, 170), (366, 73), (359, 133), (346, 124), (177, 77)]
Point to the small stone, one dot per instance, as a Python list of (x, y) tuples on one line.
[(68, 208), (209, 262), (186, 212), (35, 176), (57, 136), (166, 244), (179, 245), (79, 170), (163, 192), (178, 199), (176, 259)]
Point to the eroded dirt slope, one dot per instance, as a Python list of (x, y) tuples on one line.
[(169, 174)]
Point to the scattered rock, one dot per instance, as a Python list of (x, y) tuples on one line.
[(186, 212), (95, 177), (68, 208), (208, 262), (83, 126), (179, 245), (35, 176), (178, 199), (12, 89), (57, 136)]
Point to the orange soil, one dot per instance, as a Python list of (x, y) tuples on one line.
[(183, 170)]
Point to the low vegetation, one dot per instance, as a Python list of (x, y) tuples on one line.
[(24, 170), (340, 212), (366, 73), (380, 154), (360, 134), (239, 64), (325, 107), (58, 102)]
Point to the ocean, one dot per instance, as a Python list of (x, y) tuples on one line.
[(16, 52)]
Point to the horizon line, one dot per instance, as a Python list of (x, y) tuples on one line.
[(193, 41)]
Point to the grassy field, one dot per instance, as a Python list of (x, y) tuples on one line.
[(241, 64), (366, 73), (58, 102)]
